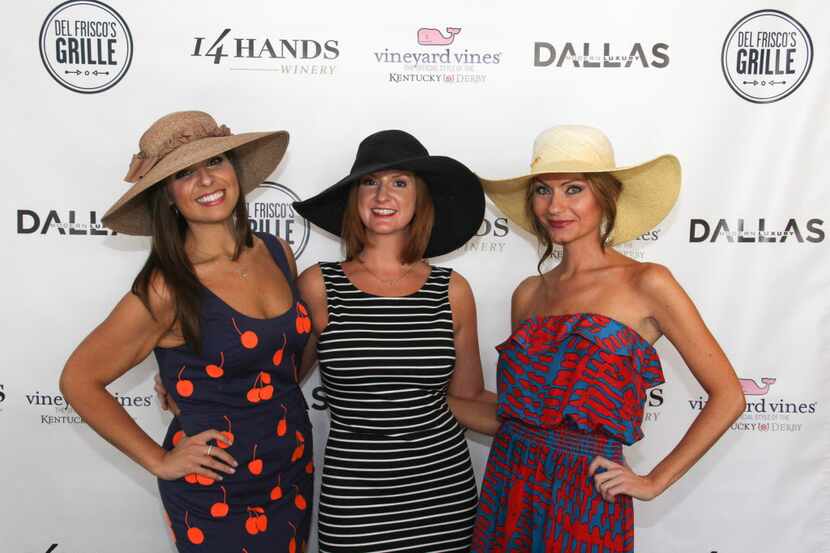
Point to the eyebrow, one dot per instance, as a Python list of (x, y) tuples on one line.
[(395, 174)]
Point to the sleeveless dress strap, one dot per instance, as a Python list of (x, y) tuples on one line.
[(442, 284), (278, 254), (331, 272)]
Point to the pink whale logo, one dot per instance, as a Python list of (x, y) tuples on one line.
[(751, 388), (433, 37)]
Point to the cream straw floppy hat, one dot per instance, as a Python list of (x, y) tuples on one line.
[(649, 190)]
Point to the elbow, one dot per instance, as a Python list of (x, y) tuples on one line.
[(66, 382), (737, 401), (740, 403), (72, 382)]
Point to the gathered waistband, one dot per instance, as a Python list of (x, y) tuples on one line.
[(566, 439)]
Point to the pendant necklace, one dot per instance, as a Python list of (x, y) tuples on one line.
[(388, 282)]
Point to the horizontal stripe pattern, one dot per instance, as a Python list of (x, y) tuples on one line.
[(397, 475)]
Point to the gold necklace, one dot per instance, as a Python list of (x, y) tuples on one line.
[(388, 282), (241, 270)]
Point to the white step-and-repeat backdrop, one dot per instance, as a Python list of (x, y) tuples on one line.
[(732, 88)]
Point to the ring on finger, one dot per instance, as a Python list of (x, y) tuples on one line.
[(210, 448)]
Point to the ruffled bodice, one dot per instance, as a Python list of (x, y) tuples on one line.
[(587, 369)]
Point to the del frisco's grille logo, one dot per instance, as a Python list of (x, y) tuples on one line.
[(273, 213), (304, 51), (86, 46), (434, 64), (766, 56), (586, 55)]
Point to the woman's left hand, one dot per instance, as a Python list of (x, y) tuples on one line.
[(619, 479)]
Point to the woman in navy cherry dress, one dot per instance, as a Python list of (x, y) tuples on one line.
[(245, 383), (219, 307)]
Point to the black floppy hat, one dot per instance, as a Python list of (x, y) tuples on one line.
[(457, 195)]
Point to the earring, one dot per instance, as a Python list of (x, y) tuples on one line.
[(175, 210)]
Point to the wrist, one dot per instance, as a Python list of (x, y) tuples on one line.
[(155, 462), (658, 482)]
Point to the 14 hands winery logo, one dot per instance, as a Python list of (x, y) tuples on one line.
[(766, 56), (491, 236), (286, 56), (766, 412), (433, 57), (86, 46)]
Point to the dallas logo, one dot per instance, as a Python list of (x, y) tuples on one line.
[(546, 54), (747, 231)]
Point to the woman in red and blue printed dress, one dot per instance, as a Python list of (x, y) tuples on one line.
[(573, 375)]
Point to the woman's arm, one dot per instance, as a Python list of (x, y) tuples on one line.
[(679, 320), (470, 402), (313, 291), (118, 344)]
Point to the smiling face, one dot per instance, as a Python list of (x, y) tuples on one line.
[(566, 207), (205, 192), (386, 201)]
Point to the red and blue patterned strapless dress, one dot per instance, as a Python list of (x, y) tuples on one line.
[(570, 387)]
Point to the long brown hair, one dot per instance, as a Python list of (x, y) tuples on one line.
[(169, 260), (606, 189), (353, 233)]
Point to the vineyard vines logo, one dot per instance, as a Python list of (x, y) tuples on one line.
[(433, 37), (86, 46), (764, 414), (751, 388), (63, 413), (766, 56), (756, 230), (433, 65), (635, 249), (273, 213), (299, 56), (547, 54), (638, 248)]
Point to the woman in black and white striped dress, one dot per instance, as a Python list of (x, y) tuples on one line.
[(396, 338)]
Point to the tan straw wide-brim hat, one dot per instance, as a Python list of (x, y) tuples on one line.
[(177, 141), (649, 190)]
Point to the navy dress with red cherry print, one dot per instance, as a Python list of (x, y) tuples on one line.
[(245, 384)]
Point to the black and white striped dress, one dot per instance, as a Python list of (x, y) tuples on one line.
[(397, 475)]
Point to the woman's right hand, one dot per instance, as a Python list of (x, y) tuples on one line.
[(195, 455)]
